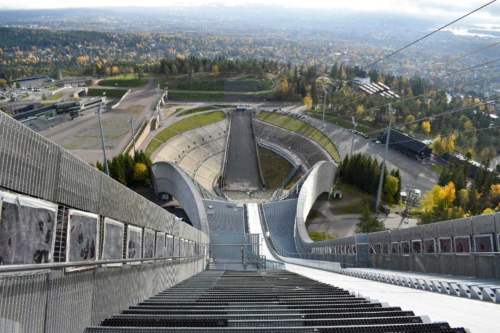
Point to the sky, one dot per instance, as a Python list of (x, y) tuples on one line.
[(435, 8)]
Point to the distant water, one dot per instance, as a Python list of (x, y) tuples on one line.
[(483, 31)]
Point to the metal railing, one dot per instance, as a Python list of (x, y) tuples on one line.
[(98, 263)]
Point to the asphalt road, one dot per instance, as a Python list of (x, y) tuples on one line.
[(414, 173)]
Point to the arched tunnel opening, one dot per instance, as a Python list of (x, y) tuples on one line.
[(172, 205)]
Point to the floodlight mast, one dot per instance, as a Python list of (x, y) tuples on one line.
[(382, 167), (103, 145)]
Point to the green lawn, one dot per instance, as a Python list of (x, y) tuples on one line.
[(112, 93), (339, 121), (183, 125), (275, 168), (196, 110), (319, 236), (124, 81), (303, 128), (352, 200)]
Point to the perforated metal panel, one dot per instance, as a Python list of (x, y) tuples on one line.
[(28, 162), (23, 301)]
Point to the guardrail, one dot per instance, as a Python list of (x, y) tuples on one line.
[(92, 264)]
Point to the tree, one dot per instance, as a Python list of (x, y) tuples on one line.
[(442, 145), (215, 70), (308, 102), (3, 83), (284, 87), (426, 127), (140, 172), (368, 222), (360, 110), (391, 186), (488, 211), (438, 204)]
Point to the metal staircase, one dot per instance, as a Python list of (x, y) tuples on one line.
[(263, 301)]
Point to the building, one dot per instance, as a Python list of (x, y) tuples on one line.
[(32, 81), (406, 144)]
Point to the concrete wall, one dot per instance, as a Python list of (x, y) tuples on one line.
[(168, 178)]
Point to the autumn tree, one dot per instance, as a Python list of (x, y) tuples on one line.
[(215, 70), (442, 145), (308, 102), (426, 127), (438, 204), (3, 83), (283, 86), (391, 188), (360, 110)]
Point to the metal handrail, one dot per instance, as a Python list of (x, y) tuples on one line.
[(59, 265)]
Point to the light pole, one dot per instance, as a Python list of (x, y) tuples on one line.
[(324, 106), (382, 167), (352, 137), (133, 136), (106, 168)]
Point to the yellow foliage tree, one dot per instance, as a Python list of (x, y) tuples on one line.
[(441, 197), (488, 211), (3, 83), (360, 110), (495, 190), (442, 145), (284, 87), (115, 70), (140, 172), (308, 102), (215, 70), (426, 126)]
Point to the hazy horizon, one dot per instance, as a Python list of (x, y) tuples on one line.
[(423, 9)]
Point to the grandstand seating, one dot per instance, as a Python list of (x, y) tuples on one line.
[(198, 152), (272, 301), (309, 152)]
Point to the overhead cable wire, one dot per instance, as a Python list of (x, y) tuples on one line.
[(430, 34)]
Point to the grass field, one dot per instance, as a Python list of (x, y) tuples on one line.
[(275, 168), (124, 81), (111, 93), (183, 125), (320, 236), (299, 126), (352, 200), (342, 122), (197, 110)]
